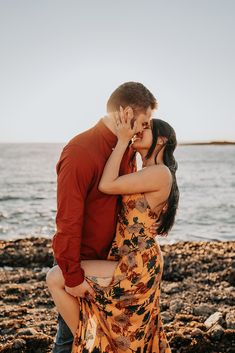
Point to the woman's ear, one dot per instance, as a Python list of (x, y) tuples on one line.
[(161, 140)]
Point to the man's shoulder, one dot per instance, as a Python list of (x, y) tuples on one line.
[(78, 149), (83, 138)]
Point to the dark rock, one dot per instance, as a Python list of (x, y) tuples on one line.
[(203, 310), (216, 332), (19, 343), (231, 277)]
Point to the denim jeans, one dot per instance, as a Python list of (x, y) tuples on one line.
[(64, 338)]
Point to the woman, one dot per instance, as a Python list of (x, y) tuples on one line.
[(124, 315)]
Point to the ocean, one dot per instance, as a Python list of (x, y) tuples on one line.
[(206, 179)]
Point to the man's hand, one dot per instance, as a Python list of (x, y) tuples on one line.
[(80, 290)]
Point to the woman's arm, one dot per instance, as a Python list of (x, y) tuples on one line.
[(149, 179), (152, 178)]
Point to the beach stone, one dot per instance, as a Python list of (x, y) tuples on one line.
[(215, 318), (176, 305), (203, 310), (171, 288), (166, 317), (216, 332), (230, 320), (29, 331), (196, 332), (231, 277), (19, 343)]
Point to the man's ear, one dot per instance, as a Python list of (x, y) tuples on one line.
[(128, 113)]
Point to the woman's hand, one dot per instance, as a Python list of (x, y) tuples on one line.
[(124, 130)]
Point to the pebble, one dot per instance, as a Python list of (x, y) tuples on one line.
[(171, 288), (216, 332), (203, 310), (176, 305), (27, 331), (215, 318), (230, 320), (166, 317), (19, 343)]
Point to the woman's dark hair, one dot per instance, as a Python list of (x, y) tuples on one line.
[(161, 128)]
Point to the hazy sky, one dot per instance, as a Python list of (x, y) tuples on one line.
[(60, 61)]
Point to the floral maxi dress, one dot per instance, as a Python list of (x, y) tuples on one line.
[(124, 316)]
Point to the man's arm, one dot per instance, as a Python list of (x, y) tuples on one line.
[(75, 173)]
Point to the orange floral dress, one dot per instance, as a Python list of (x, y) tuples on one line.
[(125, 315)]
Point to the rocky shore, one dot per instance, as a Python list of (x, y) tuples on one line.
[(197, 296)]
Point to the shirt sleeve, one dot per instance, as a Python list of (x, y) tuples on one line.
[(75, 173)]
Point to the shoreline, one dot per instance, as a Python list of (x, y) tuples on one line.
[(216, 142), (220, 143), (197, 296)]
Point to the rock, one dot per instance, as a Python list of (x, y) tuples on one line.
[(197, 333), (19, 344), (216, 332), (171, 288), (230, 320), (231, 277), (166, 317), (229, 289), (29, 331), (203, 310), (215, 318), (7, 268), (198, 282), (176, 305)]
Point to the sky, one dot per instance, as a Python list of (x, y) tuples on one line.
[(61, 60)]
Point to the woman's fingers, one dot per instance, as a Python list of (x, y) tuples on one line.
[(117, 119)]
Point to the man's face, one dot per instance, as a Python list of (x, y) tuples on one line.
[(142, 119)]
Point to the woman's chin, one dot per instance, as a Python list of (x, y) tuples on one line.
[(136, 144)]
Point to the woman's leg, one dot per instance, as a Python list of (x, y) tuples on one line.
[(66, 304)]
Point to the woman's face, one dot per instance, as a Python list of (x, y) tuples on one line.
[(143, 140)]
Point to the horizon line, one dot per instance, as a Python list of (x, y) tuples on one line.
[(192, 142)]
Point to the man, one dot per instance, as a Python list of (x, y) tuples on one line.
[(86, 218)]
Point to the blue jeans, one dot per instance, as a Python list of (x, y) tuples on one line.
[(64, 338)]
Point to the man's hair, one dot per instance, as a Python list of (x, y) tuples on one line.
[(133, 94)]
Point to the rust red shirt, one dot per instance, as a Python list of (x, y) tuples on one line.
[(86, 218)]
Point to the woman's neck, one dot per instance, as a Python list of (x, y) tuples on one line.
[(151, 160)]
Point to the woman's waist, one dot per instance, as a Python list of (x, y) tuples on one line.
[(135, 243)]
